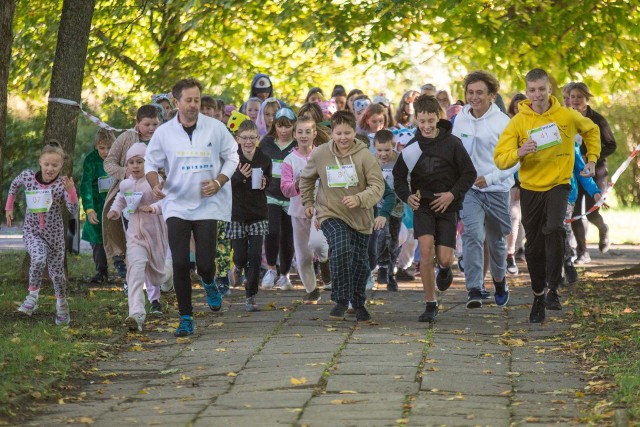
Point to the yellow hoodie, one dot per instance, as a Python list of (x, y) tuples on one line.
[(547, 168)]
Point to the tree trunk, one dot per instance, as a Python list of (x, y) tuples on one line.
[(68, 73), (7, 9)]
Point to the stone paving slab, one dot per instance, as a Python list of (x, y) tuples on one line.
[(289, 365)]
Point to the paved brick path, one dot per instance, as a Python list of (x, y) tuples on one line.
[(288, 365)]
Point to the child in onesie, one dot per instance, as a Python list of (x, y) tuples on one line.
[(45, 191)]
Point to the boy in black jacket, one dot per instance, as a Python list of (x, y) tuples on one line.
[(249, 222), (441, 172)]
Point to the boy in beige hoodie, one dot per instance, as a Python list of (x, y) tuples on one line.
[(350, 184)]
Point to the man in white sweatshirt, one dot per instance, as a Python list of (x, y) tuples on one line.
[(198, 155), (485, 211)]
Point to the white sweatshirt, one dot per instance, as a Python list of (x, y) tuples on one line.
[(480, 137), (187, 162)]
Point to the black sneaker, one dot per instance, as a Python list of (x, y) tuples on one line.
[(570, 272), (404, 276), (430, 313), (474, 300), (485, 293), (519, 255), (121, 270), (312, 297), (537, 314), (460, 264), (512, 267), (383, 276), (552, 301), (362, 315), (156, 308), (444, 278), (99, 279), (604, 243), (392, 285), (337, 312)]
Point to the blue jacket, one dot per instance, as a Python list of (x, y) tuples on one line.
[(588, 184)]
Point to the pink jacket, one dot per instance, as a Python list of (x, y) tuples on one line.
[(291, 168), (146, 230)]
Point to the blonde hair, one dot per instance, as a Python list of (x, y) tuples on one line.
[(104, 136), (54, 147)]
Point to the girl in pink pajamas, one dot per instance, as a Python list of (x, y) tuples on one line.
[(146, 235), (43, 232)]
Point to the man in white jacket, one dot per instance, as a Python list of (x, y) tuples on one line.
[(485, 211), (199, 155)]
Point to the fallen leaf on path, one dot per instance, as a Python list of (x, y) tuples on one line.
[(298, 381), (181, 340), (39, 358), (344, 401), (220, 350), (348, 392), (232, 374), (85, 420), (170, 371), (512, 342), (36, 395), (217, 325), (136, 347)]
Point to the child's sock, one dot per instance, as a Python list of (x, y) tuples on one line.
[(34, 293), (62, 306)]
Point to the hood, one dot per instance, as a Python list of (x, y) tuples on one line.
[(265, 84), (491, 112), (358, 146), (525, 107), (444, 127)]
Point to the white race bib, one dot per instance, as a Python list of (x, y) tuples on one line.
[(39, 200), (546, 136), (105, 183), (387, 174), (276, 168), (342, 176), (133, 200)]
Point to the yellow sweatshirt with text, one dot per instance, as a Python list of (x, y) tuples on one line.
[(549, 167)]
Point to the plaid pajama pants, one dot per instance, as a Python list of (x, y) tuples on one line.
[(348, 262)]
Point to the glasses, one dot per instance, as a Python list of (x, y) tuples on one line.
[(248, 138)]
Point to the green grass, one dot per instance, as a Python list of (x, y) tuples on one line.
[(623, 228), (36, 356)]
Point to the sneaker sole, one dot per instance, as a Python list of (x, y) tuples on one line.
[(427, 320), (132, 325), (474, 304), (336, 317), (27, 312), (504, 303), (311, 302)]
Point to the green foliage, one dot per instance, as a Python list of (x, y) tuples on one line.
[(624, 121)]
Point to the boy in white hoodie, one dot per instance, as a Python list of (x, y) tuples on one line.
[(485, 211)]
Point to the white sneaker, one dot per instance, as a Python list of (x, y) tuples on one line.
[(327, 286), (62, 312), (350, 310), (284, 283), (29, 305), (135, 322), (370, 282), (269, 279)]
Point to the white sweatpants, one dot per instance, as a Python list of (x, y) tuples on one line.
[(307, 242)]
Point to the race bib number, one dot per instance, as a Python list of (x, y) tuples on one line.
[(133, 200), (546, 136), (39, 201), (104, 183), (343, 176), (276, 168)]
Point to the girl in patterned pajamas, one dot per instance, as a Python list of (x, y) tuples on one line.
[(45, 191)]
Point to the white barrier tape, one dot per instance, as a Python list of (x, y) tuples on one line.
[(91, 117), (614, 178)]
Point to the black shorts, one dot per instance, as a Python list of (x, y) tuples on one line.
[(442, 226)]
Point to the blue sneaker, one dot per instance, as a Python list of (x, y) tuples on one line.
[(186, 326), (223, 287), (214, 296), (501, 292)]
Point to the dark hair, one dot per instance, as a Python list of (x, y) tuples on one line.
[(343, 118), (427, 104), (313, 91), (536, 74), (401, 116), (207, 101), (353, 93), (104, 136), (313, 109), (582, 88), (371, 110), (183, 84), (280, 121), (338, 90), (247, 125), (493, 86), (147, 112), (514, 101), (383, 136)]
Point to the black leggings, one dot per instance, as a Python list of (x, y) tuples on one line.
[(280, 239), (205, 236), (247, 255)]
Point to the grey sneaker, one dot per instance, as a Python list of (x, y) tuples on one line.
[(62, 312), (156, 308), (312, 297), (251, 305), (29, 305), (135, 323)]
